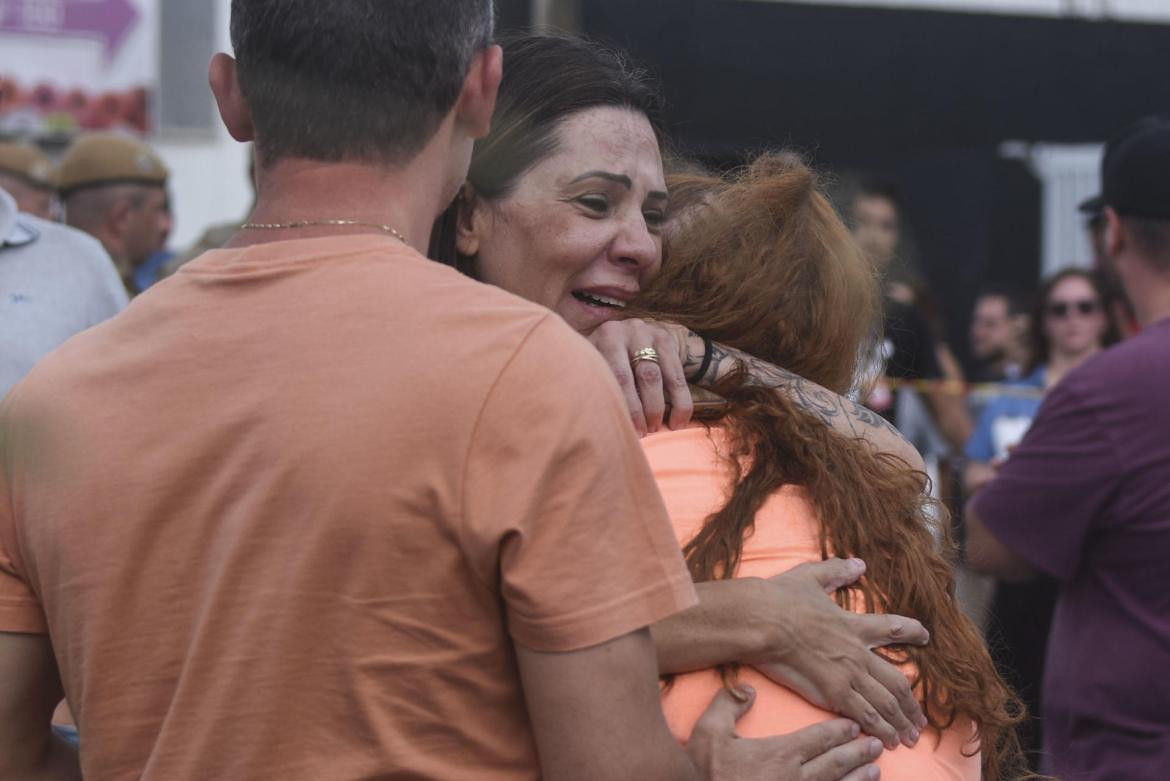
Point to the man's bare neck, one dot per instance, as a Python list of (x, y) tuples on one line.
[(300, 191)]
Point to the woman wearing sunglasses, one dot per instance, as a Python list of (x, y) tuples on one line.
[(1070, 324)]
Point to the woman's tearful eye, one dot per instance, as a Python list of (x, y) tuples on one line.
[(594, 203)]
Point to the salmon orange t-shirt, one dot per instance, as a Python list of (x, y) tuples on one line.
[(286, 515), (692, 474)]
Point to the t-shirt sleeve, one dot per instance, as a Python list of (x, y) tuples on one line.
[(1051, 492), (560, 509), (20, 610)]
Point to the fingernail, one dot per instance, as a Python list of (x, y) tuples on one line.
[(913, 738), (738, 694), (921, 721), (857, 564), (742, 693), (874, 749), (855, 730), (873, 773)]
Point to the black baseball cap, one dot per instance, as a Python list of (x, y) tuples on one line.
[(1092, 207), (1135, 172)]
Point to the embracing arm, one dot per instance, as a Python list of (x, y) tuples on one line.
[(29, 691), (848, 418), (792, 631), (657, 392), (596, 713)]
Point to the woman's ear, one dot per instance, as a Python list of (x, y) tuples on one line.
[(1116, 238), (471, 222)]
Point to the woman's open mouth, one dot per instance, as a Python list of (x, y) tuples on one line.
[(592, 299)]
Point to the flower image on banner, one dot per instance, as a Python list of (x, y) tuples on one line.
[(70, 65)]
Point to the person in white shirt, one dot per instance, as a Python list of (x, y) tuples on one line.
[(54, 282)]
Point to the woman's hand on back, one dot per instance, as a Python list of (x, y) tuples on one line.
[(649, 387), (826, 654), (791, 630)]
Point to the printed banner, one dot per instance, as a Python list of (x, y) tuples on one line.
[(69, 65)]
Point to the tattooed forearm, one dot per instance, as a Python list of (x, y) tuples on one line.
[(837, 411)]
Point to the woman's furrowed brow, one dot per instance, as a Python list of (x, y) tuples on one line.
[(621, 179)]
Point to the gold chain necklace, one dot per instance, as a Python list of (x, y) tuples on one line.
[(308, 223)]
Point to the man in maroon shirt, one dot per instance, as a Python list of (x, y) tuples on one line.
[(1086, 499)]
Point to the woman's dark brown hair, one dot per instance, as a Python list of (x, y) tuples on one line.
[(547, 79), (760, 261)]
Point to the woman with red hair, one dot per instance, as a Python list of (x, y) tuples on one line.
[(761, 262)]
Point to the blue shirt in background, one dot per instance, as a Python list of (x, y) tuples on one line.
[(1006, 418)]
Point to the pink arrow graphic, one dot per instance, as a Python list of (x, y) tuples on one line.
[(109, 21)]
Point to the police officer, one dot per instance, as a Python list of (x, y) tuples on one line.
[(26, 173), (115, 188)]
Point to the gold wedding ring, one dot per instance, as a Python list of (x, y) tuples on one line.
[(645, 354)]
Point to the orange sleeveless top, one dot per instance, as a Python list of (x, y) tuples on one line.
[(693, 478)]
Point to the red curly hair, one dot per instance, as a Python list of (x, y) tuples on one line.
[(760, 261)]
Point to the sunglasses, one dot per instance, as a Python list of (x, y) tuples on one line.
[(1062, 309)]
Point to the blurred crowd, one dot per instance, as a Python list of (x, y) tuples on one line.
[(1024, 342)]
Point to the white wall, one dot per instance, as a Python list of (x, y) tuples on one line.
[(209, 182), (1069, 174)]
